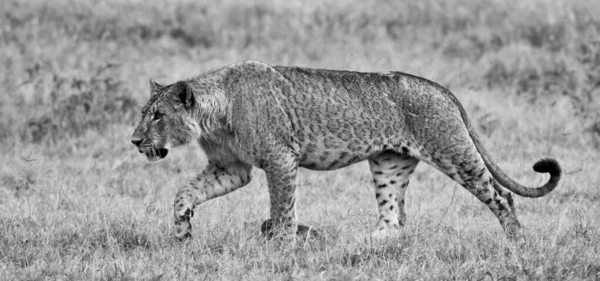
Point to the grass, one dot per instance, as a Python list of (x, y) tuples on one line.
[(78, 202)]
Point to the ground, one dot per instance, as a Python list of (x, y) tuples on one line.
[(77, 201)]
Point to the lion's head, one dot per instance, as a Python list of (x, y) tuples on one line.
[(168, 120)]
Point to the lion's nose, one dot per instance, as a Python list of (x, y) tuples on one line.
[(137, 141)]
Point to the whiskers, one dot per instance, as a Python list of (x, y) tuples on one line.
[(154, 151)]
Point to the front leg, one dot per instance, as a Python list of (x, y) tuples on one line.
[(213, 182), (281, 179)]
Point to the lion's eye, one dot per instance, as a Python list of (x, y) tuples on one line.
[(158, 116)]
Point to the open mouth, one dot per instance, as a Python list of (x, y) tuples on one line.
[(156, 154), (162, 152)]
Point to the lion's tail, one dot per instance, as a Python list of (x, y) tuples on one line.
[(547, 165)]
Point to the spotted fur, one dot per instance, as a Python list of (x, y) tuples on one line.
[(278, 118)]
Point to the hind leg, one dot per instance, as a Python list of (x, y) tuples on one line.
[(469, 170), (483, 188), (391, 173)]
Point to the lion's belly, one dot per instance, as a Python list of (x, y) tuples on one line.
[(329, 152), (331, 159)]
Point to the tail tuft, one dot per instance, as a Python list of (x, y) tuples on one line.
[(548, 165)]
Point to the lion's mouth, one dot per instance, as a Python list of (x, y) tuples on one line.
[(162, 152), (155, 153)]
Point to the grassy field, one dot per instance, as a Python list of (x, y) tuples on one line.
[(78, 202)]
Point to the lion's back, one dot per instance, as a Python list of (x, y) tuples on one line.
[(338, 117), (352, 115)]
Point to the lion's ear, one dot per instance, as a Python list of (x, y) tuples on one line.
[(185, 94), (154, 87)]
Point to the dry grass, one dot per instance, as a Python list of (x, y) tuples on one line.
[(78, 202)]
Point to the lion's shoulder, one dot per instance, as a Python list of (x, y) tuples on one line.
[(246, 69)]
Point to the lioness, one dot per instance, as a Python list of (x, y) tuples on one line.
[(281, 118)]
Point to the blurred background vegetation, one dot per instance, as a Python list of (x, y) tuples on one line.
[(74, 66)]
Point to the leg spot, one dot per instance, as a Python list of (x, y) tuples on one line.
[(480, 173), (183, 230), (188, 214), (500, 206), (308, 232), (383, 202), (511, 203), (184, 237), (216, 174), (266, 228)]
